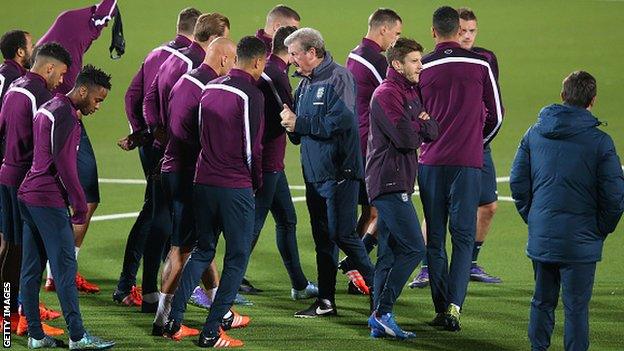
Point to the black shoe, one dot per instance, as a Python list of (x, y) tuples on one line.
[(171, 328), (353, 290), (157, 330), (247, 288), (438, 321), (319, 308), (149, 307)]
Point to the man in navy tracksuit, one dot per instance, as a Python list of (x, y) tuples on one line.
[(568, 186), (456, 84), (228, 171), (275, 195), (50, 186), (398, 125), (325, 124)]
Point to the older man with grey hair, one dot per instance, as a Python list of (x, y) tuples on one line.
[(324, 123)]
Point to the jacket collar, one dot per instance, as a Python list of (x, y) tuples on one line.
[(394, 76)]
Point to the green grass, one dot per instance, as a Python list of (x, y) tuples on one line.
[(537, 43)]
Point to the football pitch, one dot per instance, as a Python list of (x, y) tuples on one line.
[(537, 43)]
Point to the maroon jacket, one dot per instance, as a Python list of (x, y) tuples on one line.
[(455, 85), (52, 180), (144, 78), (9, 72), (16, 125), (368, 67), (396, 132), (231, 128)]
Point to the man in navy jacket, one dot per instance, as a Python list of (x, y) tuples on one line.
[(325, 124), (568, 186)]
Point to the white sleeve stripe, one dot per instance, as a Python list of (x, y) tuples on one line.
[(366, 64), (194, 80), (29, 95), (273, 89), (2, 80), (51, 118), (178, 54), (499, 110), (106, 18), (246, 113)]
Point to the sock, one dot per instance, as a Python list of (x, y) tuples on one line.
[(228, 314), (76, 249), (49, 270), (212, 293), (164, 308), (424, 263), (369, 242), (475, 252), (151, 297)]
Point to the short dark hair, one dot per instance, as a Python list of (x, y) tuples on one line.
[(383, 16), (278, 38), (579, 89), (187, 19), (12, 41), (210, 24), (401, 48), (466, 14), (282, 11), (446, 21), (249, 48), (92, 76), (55, 51)]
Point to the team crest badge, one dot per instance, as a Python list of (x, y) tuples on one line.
[(404, 197), (320, 92)]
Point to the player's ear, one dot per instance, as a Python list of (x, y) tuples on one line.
[(433, 32), (83, 91)]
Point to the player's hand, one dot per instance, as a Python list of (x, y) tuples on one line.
[(289, 119), (126, 144), (160, 135), (424, 116)]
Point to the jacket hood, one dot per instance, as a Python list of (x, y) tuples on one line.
[(563, 121)]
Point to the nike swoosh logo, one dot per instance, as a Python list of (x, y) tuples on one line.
[(323, 311)]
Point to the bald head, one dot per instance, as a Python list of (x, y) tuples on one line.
[(221, 55)]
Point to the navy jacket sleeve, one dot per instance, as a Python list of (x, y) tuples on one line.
[(610, 187), (64, 155), (340, 113), (520, 179), (293, 136)]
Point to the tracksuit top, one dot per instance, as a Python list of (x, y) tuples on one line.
[(52, 180), (276, 88), (156, 102), (268, 41), (9, 72), (326, 125), (231, 125), (76, 30), (396, 132), (368, 67), (456, 85), (567, 184), (21, 102), (144, 78), (183, 145)]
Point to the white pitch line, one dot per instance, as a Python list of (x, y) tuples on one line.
[(114, 216)]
